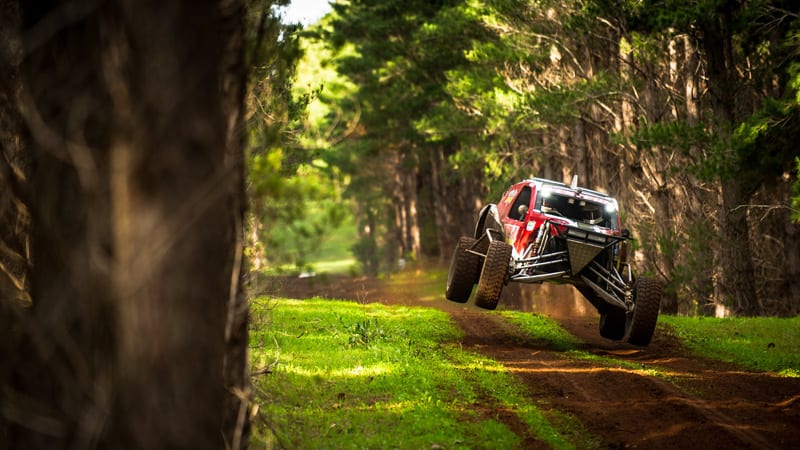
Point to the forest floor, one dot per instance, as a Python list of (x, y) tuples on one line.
[(699, 403)]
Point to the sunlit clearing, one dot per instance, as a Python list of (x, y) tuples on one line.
[(346, 372)]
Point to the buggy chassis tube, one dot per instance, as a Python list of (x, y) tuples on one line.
[(605, 295), (489, 227), (618, 295)]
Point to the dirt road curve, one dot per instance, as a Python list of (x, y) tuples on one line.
[(700, 404)]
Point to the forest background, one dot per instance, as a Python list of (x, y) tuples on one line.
[(410, 116), (155, 155)]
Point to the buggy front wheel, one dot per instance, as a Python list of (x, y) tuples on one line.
[(493, 275), (641, 321)]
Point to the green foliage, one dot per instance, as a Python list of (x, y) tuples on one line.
[(750, 141), (386, 106), (299, 216), (363, 332), (295, 195), (502, 87), (762, 343), (766, 142), (677, 135), (345, 375), (367, 253)]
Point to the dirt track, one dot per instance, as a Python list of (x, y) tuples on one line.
[(700, 404)]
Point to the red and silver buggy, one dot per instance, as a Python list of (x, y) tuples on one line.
[(543, 230)]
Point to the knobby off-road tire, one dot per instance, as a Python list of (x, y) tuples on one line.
[(612, 320), (642, 321), (493, 275), (613, 324), (464, 270)]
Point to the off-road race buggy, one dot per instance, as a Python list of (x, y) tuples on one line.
[(544, 230)]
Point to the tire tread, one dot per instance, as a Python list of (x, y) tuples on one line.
[(493, 275)]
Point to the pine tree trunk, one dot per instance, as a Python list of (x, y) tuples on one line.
[(791, 268), (691, 64), (412, 233), (236, 418), (737, 288), (442, 209), (737, 285)]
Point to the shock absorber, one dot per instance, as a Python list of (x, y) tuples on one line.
[(539, 235)]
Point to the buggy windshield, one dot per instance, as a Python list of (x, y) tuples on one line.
[(578, 209)]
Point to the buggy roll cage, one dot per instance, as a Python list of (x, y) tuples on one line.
[(576, 261)]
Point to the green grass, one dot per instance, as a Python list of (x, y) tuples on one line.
[(758, 343), (338, 266), (766, 344), (345, 375)]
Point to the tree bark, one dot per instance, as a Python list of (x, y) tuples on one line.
[(737, 285), (14, 167), (236, 418), (133, 228), (737, 290), (441, 206), (412, 233)]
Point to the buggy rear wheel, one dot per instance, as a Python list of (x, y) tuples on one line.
[(493, 275), (612, 319), (641, 321), (464, 269), (612, 324)]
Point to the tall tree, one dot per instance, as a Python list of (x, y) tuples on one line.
[(633, 96), (746, 48), (401, 54), (130, 119)]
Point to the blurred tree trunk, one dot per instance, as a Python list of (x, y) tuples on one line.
[(442, 209), (137, 208), (14, 212), (412, 233), (236, 424), (60, 391), (14, 167)]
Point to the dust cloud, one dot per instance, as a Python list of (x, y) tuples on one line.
[(554, 300)]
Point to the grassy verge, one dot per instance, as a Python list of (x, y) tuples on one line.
[(759, 343), (345, 375)]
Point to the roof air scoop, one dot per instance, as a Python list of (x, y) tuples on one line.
[(574, 184)]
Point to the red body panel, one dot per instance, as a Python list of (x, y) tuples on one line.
[(521, 230)]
